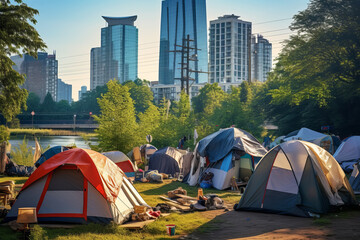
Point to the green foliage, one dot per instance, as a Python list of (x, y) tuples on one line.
[(88, 102), (23, 155), (4, 134), (316, 80), (141, 94), (48, 105), (118, 129), (33, 102), (17, 33), (209, 98)]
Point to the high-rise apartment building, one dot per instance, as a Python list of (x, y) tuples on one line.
[(41, 73), (96, 68), (229, 46), (82, 91), (117, 57), (64, 91), (180, 18), (261, 50)]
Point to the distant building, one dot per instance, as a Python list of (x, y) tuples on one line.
[(180, 18), (41, 73), (82, 91), (229, 41), (261, 50), (173, 91), (117, 58), (64, 91), (96, 69)]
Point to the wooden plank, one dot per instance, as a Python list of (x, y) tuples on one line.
[(137, 225), (186, 197)]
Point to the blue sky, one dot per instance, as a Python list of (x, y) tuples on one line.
[(72, 28)]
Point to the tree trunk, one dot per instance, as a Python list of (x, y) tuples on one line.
[(2, 157)]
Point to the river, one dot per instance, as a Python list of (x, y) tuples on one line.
[(51, 141)]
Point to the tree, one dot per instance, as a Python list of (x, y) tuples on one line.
[(48, 105), (17, 36), (319, 68), (118, 129), (209, 98), (89, 103), (33, 102), (141, 94)]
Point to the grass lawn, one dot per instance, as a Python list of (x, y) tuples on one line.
[(185, 222)]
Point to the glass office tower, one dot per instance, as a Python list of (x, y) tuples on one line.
[(180, 18), (119, 49)]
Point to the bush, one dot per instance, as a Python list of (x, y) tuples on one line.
[(23, 155)]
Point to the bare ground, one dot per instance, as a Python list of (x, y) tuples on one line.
[(252, 225)]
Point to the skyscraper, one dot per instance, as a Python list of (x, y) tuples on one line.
[(117, 58), (229, 41), (96, 70), (64, 91), (41, 73), (262, 58), (180, 18)]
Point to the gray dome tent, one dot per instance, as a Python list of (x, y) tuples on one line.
[(297, 178)]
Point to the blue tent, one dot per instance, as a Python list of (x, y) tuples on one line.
[(219, 144), (49, 153), (232, 153)]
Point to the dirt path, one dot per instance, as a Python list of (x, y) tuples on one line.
[(251, 225)]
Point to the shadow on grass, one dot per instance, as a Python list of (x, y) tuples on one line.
[(168, 185)]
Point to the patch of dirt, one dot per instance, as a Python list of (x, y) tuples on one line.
[(251, 225)]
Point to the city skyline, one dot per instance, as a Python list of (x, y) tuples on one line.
[(73, 29)]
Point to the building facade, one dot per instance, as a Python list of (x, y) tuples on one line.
[(172, 91), (117, 58), (82, 91), (229, 47), (64, 91), (41, 73), (180, 18), (96, 68), (261, 50)]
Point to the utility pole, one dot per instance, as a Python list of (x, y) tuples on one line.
[(185, 63)]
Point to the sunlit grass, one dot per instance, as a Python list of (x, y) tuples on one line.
[(185, 222), (49, 132)]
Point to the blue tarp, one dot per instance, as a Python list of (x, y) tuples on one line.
[(49, 153), (217, 145)]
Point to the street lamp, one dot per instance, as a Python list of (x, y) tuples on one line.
[(32, 119), (74, 121)]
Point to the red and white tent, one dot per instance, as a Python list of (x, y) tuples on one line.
[(121, 160), (78, 186)]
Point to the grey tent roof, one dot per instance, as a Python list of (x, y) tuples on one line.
[(217, 145), (291, 179)]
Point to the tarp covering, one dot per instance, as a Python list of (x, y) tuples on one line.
[(348, 150), (49, 153), (304, 134), (297, 178), (102, 173), (166, 160), (217, 145)]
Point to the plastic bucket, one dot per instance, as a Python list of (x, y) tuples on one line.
[(170, 229)]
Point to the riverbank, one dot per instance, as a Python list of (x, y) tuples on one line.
[(50, 132)]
